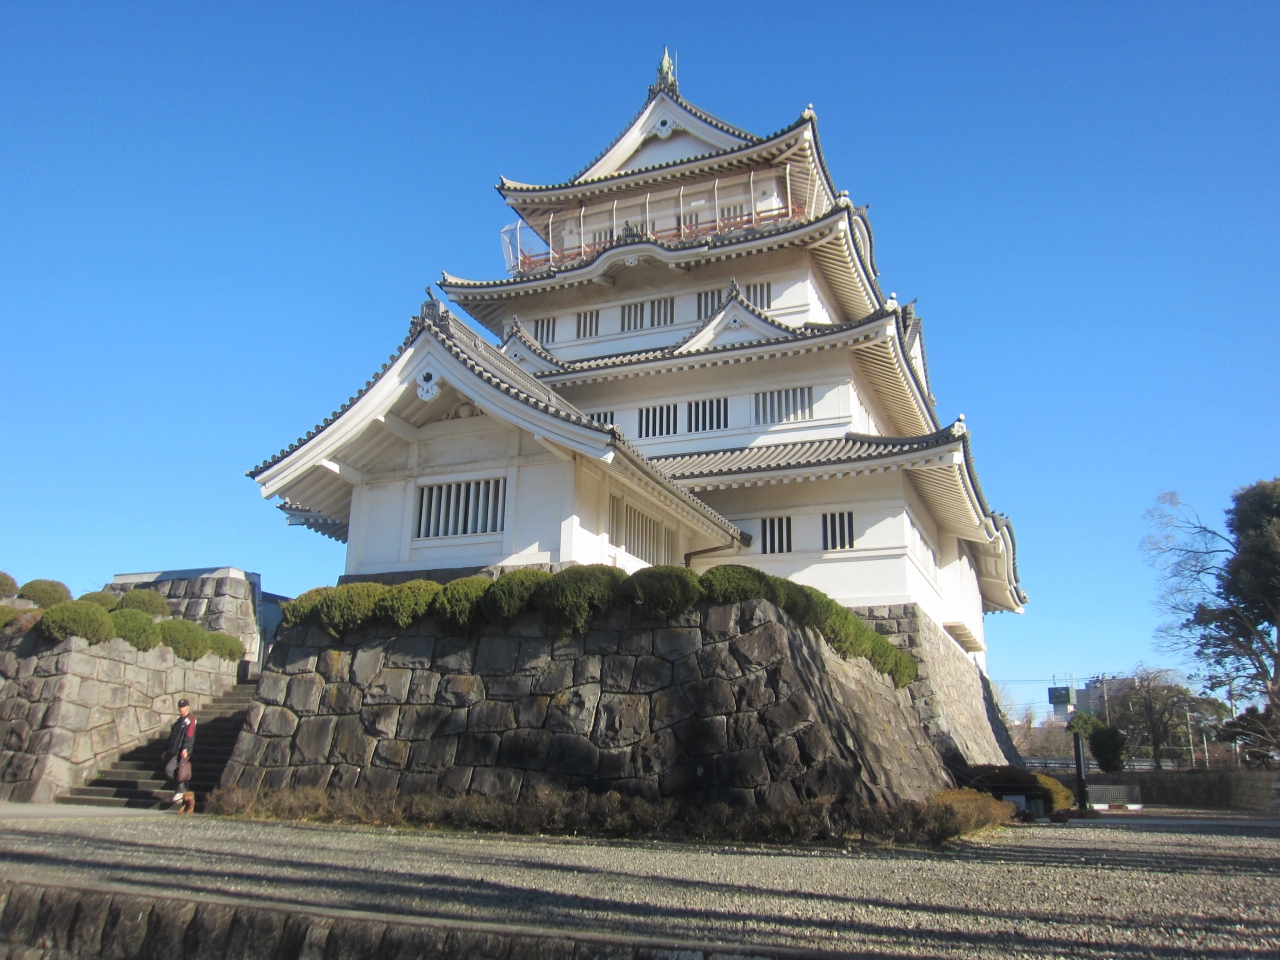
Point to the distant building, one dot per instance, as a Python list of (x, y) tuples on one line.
[(1092, 698)]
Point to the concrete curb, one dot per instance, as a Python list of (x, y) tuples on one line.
[(42, 921)]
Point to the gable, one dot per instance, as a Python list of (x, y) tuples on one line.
[(735, 323)]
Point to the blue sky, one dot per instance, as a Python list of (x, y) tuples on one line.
[(218, 219)]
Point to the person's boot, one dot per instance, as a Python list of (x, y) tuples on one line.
[(188, 802)]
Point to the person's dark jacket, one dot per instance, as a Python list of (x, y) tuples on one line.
[(182, 736)]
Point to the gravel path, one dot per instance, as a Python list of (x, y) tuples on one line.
[(1139, 887)]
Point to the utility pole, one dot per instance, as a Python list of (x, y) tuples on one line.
[(1191, 744), (1105, 702), (1231, 700)]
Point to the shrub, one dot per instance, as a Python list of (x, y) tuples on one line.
[(458, 604), (576, 596), (969, 810), (8, 586), (301, 609), (1059, 796), (45, 593), (7, 615), (663, 592), (148, 601), (225, 646), (1107, 744), (511, 593), (136, 629), (103, 598), (733, 583), (348, 607), (406, 602), (1018, 780), (184, 638), (77, 618)]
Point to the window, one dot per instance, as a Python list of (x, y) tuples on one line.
[(837, 530), (709, 302), (784, 406), (662, 312), (544, 330), (671, 546), (640, 534), (691, 219), (775, 535), (733, 214), (588, 324), (459, 509), (659, 421), (617, 522), (921, 547), (603, 416), (632, 316), (760, 295), (601, 236), (708, 415)]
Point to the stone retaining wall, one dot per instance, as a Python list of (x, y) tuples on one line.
[(227, 604), (733, 702), (953, 696), (69, 709)]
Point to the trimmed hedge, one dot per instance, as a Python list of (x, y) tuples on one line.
[(576, 596), (733, 583), (8, 586), (148, 601), (406, 602), (45, 593), (301, 609), (225, 646), (184, 638), (136, 629), (511, 593), (343, 609), (663, 592), (103, 598), (77, 618), (458, 604)]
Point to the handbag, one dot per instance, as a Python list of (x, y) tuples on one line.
[(184, 771)]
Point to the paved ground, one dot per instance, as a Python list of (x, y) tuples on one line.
[(1151, 885)]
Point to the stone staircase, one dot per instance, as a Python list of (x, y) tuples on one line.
[(137, 778)]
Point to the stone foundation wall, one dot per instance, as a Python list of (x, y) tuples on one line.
[(226, 604), (952, 696), (732, 702), (68, 709)]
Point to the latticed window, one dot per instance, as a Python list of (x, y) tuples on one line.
[(707, 415), (837, 530), (671, 546), (709, 303), (601, 236), (602, 416), (588, 324), (632, 316), (544, 330), (659, 421), (644, 536), (775, 535), (732, 214), (784, 406), (662, 312), (461, 509), (760, 295)]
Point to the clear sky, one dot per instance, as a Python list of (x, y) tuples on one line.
[(217, 219)]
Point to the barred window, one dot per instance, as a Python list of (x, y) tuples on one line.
[(644, 536), (617, 522), (459, 509), (760, 295), (588, 324), (544, 330), (775, 535), (632, 316), (602, 416), (784, 406), (662, 312), (733, 213), (601, 236), (837, 530), (704, 415), (709, 303), (671, 546), (659, 421)]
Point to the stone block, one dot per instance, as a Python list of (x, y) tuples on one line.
[(424, 686), (421, 722), (532, 711), (600, 642), (53, 924), (272, 688), (277, 722), (715, 660), (413, 652), (433, 756), (621, 720), (556, 676), (454, 655), (344, 777), (496, 655), (615, 674), (784, 760), (616, 763), (507, 687), (391, 753), (567, 647), (454, 723), (721, 621), (657, 753), (573, 710), (650, 674), (277, 753), (478, 749), (111, 671), (334, 664), (688, 775), (746, 732), (492, 715), (70, 716), (686, 670), (351, 745), (534, 656), (300, 659), (249, 747), (673, 643), (635, 643), (670, 705), (711, 697), (303, 696), (381, 721), (104, 739), (500, 783), (745, 769), (313, 775), (572, 754), (815, 743), (587, 668), (389, 685), (525, 748), (366, 664), (312, 742), (776, 796), (788, 716), (752, 613), (82, 749), (412, 784), (460, 690), (828, 779), (753, 692), (701, 736), (342, 698), (762, 647), (78, 663), (127, 730), (784, 680)]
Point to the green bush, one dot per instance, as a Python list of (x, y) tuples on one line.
[(103, 598), (148, 601), (77, 618), (1107, 744), (136, 629), (663, 592), (184, 638), (45, 593), (406, 602), (576, 596), (458, 604), (733, 583), (301, 609), (510, 594), (348, 607), (1017, 780), (8, 586), (225, 646), (1059, 796), (7, 615)]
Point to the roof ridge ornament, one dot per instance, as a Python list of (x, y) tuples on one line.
[(959, 428), (666, 82)]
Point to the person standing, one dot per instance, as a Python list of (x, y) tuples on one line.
[(182, 741)]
